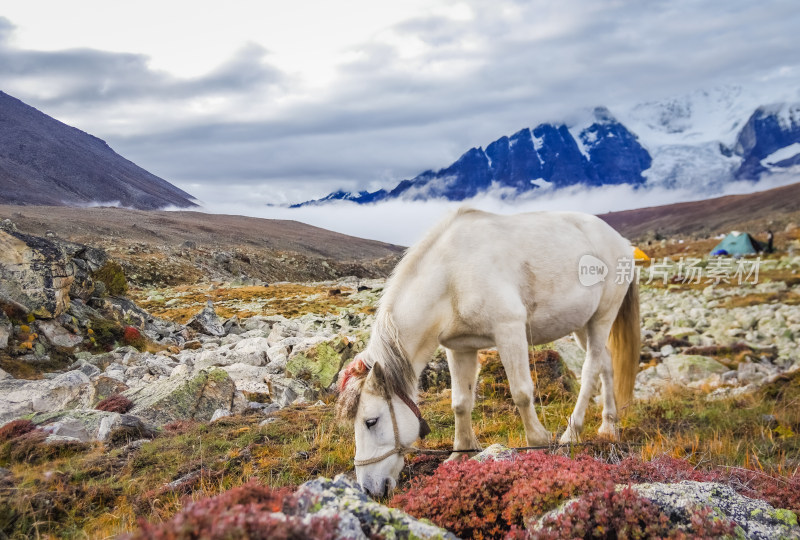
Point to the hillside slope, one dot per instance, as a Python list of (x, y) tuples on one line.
[(753, 212), (160, 247), (44, 161)]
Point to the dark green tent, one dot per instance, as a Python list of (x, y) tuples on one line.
[(737, 244)]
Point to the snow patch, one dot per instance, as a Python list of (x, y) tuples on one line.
[(779, 155)]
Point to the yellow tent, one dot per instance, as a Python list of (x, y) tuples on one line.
[(639, 255)]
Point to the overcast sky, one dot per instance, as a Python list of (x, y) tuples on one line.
[(248, 102)]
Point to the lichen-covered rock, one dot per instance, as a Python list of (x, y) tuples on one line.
[(33, 273), (436, 375), (175, 398), (320, 364), (571, 353), (359, 516), (69, 390), (757, 519), (687, 368), (207, 322)]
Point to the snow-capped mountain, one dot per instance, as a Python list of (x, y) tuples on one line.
[(698, 142)]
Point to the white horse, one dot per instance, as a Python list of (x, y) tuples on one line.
[(480, 280)]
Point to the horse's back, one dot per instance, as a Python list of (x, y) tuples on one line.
[(524, 266), (550, 239)]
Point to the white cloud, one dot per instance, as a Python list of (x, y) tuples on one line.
[(405, 222)]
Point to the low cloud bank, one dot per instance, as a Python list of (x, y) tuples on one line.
[(405, 222)]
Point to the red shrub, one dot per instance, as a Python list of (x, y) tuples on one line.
[(179, 427), (498, 498), (31, 448), (483, 500), (662, 469), (131, 336), (248, 512), (780, 492), (116, 403), (15, 428)]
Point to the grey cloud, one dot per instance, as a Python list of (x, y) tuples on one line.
[(387, 118), (92, 77)]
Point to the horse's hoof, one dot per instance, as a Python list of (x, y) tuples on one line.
[(608, 431), (570, 437), (458, 456)]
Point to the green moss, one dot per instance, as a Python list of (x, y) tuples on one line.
[(113, 277), (319, 365), (785, 516)]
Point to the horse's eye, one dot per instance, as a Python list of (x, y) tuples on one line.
[(371, 422)]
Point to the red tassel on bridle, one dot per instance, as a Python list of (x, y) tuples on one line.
[(356, 368)]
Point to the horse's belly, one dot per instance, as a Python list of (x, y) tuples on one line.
[(546, 326), (466, 342)]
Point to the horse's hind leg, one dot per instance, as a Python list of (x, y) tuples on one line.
[(464, 374), (597, 363), (512, 345)]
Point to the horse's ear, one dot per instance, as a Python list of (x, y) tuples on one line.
[(424, 428), (379, 379)]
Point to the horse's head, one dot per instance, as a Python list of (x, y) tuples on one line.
[(385, 424)]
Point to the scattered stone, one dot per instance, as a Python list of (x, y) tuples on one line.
[(207, 322), (250, 379), (497, 452), (88, 424), (220, 413), (286, 391), (686, 368)]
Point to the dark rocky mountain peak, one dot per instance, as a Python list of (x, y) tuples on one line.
[(46, 162)]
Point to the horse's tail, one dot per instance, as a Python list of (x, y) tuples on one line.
[(624, 344)]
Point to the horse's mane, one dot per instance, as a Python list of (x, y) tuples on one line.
[(385, 347), (407, 266)]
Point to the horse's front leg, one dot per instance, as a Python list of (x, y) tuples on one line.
[(512, 345), (463, 374)]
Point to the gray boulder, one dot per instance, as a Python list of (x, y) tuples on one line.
[(88, 425), (285, 390), (207, 322), (57, 335), (251, 379), (33, 274), (251, 351), (756, 519), (177, 398), (69, 390), (359, 516)]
